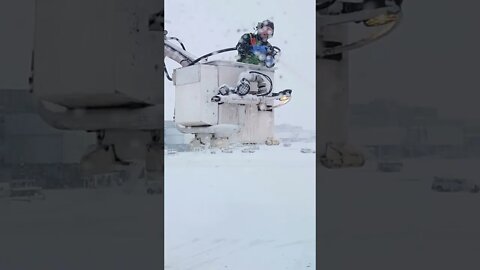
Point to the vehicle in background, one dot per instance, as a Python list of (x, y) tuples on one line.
[(248, 150), (171, 152), (442, 184), (307, 150), (389, 166), (26, 189), (227, 150)]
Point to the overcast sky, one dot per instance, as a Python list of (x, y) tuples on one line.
[(431, 59)]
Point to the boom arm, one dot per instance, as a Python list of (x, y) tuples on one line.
[(177, 53), (171, 50)]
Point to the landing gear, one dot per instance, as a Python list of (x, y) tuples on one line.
[(272, 141), (102, 158), (200, 142)]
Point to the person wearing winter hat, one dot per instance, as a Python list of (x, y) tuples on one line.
[(254, 48)]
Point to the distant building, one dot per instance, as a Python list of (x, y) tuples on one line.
[(390, 113), (382, 141), (393, 129), (29, 148), (285, 132), (26, 138), (439, 140)]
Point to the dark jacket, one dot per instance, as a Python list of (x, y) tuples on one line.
[(245, 48)]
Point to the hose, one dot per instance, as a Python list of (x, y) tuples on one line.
[(210, 54), (220, 51)]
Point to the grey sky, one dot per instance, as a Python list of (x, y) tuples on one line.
[(431, 59)]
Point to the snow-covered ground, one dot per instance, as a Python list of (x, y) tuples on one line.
[(222, 211), (372, 220), (254, 211), (240, 210)]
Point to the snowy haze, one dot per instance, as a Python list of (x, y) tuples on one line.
[(206, 26)]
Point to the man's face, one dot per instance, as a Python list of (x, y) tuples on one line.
[(265, 32)]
